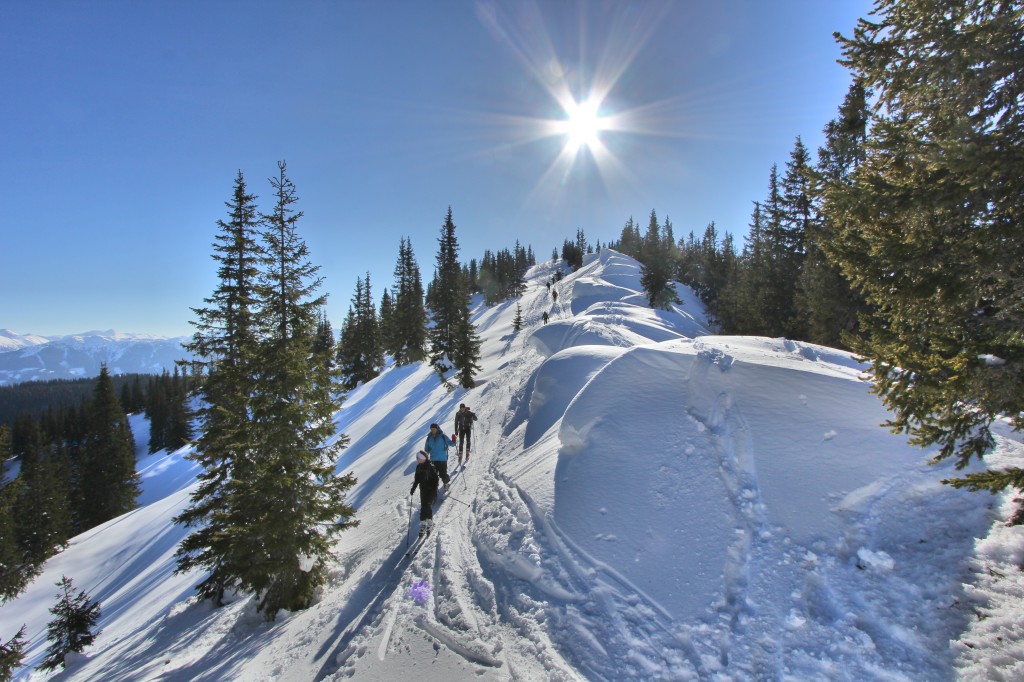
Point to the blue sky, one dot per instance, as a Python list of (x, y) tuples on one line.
[(123, 124)]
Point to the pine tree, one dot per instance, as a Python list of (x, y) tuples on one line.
[(109, 482), (72, 629), (929, 230), (11, 654), (517, 321), (13, 577), (225, 349), (43, 516), (453, 340), (656, 266), (179, 431), (361, 354), (293, 503), (829, 306), (409, 327), (386, 323), (798, 218)]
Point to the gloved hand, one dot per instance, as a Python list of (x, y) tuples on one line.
[(453, 439)]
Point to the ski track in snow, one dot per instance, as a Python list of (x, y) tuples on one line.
[(534, 576)]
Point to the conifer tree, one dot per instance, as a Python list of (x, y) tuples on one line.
[(179, 431), (324, 341), (829, 306), (656, 267), (12, 575), (361, 354), (109, 481), (11, 654), (386, 323), (225, 349), (72, 629), (43, 516), (453, 340), (517, 321), (409, 328), (929, 230), (293, 504)]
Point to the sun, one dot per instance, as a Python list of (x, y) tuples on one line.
[(582, 124)]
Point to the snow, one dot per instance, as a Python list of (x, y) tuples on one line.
[(10, 340), (645, 500)]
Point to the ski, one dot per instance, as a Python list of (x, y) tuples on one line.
[(420, 539)]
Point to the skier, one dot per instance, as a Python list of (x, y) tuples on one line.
[(426, 478), (436, 448), (464, 419)]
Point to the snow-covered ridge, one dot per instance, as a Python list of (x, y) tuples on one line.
[(29, 357), (645, 501), (10, 340)]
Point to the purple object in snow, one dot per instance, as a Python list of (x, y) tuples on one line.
[(420, 591)]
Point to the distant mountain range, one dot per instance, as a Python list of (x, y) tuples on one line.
[(30, 357)]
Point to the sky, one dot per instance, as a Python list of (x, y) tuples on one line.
[(124, 125), (643, 501)]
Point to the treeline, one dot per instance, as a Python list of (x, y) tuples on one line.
[(782, 282), (35, 398), (75, 473), (413, 324), (76, 462)]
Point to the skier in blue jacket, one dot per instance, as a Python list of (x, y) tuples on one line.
[(437, 448)]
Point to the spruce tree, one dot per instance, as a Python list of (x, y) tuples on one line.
[(11, 654), (386, 323), (72, 629), (453, 340), (292, 503), (225, 349), (517, 321), (656, 267), (828, 304), (361, 354), (929, 230), (43, 515), (109, 482), (798, 218), (13, 577), (409, 326)]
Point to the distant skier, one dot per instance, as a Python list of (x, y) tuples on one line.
[(464, 419), (436, 448), (425, 477)]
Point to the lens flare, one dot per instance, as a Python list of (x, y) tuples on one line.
[(582, 125)]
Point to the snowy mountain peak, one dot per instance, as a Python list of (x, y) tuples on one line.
[(74, 356), (10, 340)]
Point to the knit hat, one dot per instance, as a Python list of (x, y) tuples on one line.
[(434, 426), (420, 457)]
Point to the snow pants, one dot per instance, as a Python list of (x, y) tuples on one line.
[(427, 498), (465, 436)]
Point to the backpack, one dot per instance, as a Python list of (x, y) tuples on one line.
[(432, 476)]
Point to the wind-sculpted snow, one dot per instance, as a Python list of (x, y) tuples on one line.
[(557, 382), (644, 501)]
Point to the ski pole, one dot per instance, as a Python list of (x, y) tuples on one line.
[(408, 533), (449, 497)]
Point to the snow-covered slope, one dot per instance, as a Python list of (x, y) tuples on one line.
[(644, 501), (35, 358)]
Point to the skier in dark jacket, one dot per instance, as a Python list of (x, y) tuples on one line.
[(464, 419), (425, 477)]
